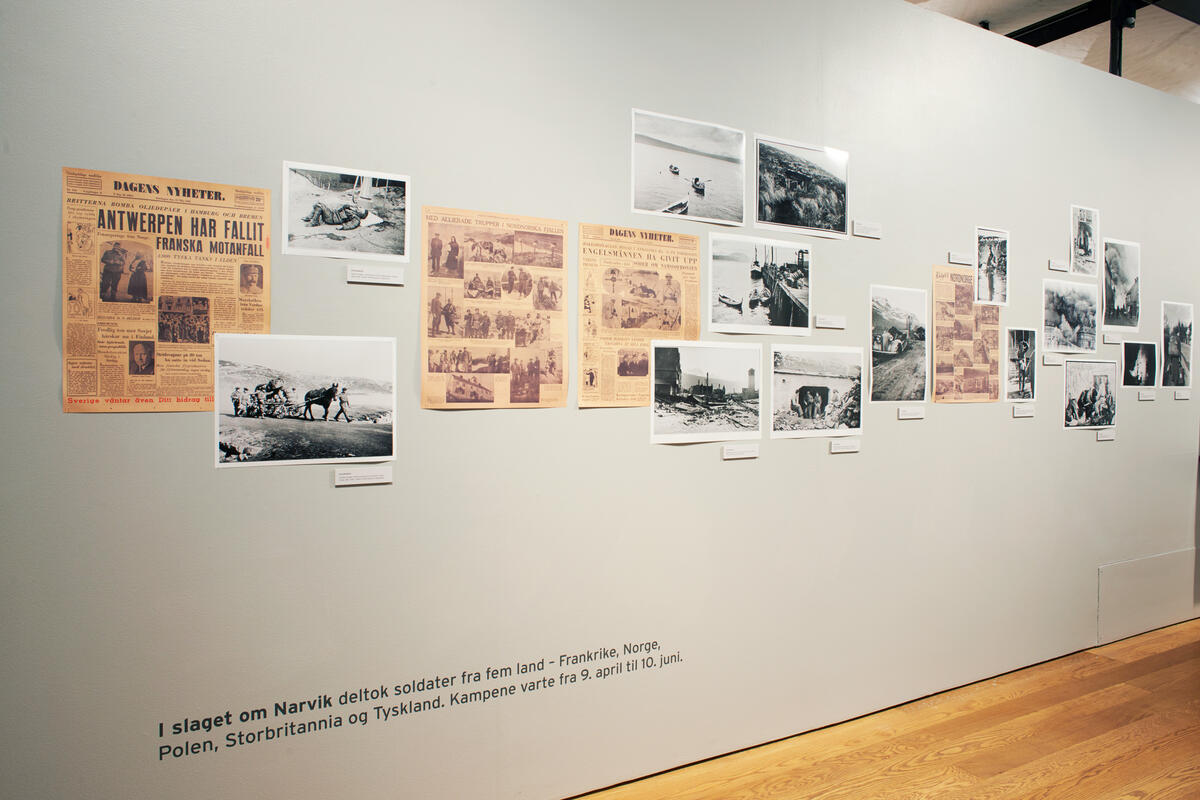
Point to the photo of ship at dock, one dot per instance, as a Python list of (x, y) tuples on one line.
[(759, 285)]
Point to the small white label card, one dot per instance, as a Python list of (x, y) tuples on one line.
[(362, 476), (836, 321), (1057, 264), (1052, 359), (1106, 435), (732, 452), (910, 412), (1146, 394), (844, 445), (1112, 338), (1022, 411), (1183, 394), (966, 259), (868, 230), (369, 273)]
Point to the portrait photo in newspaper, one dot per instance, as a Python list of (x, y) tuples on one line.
[(1139, 363), (342, 212), (899, 347), (1177, 321), (1090, 396), (991, 266), (684, 167), (304, 399), (1070, 311), (1122, 284), (758, 285), (126, 270), (816, 391), (1020, 364), (1085, 241), (801, 187), (705, 392)]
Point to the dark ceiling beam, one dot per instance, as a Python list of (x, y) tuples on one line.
[(1074, 20), (1188, 9)]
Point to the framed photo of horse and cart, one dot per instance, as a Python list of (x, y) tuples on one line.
[(303, 399)]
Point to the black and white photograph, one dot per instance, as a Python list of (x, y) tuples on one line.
[(126, 271), (304, 399), (537, 249), (251, 279), (683, 167), (802, 187), (1069, 314), (1122, 284), (451, 246), (1085, 241), (634, 362), (1090, 397), (816, 391), (471, 389), (991, 266), (1139, 363), (1177, 344), (758, 285), (704, 392), (141, 357), (341, 212), (183, 320), (899, 353), (1020, 364)]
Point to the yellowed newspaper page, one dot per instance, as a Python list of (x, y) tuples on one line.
[(152, 268), (634, 286), (494, 325), (966, 340)]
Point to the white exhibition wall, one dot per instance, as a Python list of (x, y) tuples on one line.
[(141, 586)]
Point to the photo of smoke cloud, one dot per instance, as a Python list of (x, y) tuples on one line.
[(1139, 363), (1069, 313), (802, 187), (303, 399), (1085, 238), (899, 362), (1090, 397), (1177, 344), (339, 212), (705, 392), (1020, 364), (759, 285), (816, 391), (683, 167), (991, 266), (1122, 284)]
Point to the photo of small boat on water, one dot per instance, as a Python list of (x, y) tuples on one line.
[(759, 285), (683, 167)]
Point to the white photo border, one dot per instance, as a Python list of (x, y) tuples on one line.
[(288, 249), (802, 229)]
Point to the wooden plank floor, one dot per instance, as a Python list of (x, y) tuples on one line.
[(1118, 721)]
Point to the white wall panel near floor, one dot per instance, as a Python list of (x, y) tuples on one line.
[(140, 586)]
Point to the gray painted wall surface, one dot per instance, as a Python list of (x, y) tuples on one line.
[(139, 585)]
